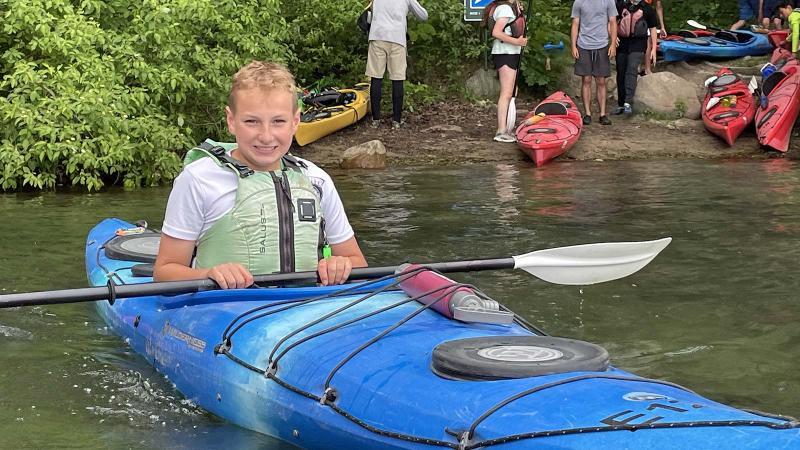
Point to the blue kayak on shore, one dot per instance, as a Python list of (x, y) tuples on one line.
[(722, 45), (365, 366)]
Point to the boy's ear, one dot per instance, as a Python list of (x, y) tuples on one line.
[(229, 120), (296, 119)]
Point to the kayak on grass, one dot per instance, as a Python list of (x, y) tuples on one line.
[(550, 129), (331, 110), (723, 45), (779, 104), (724, 119), (367, 367)]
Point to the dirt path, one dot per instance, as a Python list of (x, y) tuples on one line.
[(448, 134)]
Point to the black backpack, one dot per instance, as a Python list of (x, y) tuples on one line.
[(364, 19)]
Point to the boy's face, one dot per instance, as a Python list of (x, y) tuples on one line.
[(785, 11), (264, 123)]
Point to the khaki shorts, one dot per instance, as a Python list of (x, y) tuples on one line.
[(383, 55)]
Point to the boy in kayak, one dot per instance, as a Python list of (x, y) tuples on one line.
[(792, 16), (254, 208)]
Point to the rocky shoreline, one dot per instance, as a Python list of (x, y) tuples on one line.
[(457, 133)]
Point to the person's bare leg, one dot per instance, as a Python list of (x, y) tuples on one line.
[(586, 93), (506, 76), (648, 66), (601, 94), (738, 24)]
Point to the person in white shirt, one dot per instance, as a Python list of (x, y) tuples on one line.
[(250, 206), (387, 50)]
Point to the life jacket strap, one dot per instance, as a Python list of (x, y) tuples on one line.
[(219, 153)]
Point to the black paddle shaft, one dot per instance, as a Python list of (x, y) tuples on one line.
[(190, 286)]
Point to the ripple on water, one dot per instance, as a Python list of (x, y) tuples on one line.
[(140, 400), (13, 332)]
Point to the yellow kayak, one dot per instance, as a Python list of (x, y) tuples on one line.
[(331, 111)]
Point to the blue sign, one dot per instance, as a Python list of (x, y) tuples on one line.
[(478, 4), (473, 9)]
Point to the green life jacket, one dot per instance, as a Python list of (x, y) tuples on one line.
[(276, 223)]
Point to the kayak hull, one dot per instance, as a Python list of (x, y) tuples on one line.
[(715, 48), (340, 117), (728, 122), (775, 118), (554, 134), (386, 396)]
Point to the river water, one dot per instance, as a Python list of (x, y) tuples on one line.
[(718, 311)]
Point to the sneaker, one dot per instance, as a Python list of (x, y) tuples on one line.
[(604, 120), (587, 119), (375, 123), (396, 125), (618, 110), (504, 137), (627, 109)]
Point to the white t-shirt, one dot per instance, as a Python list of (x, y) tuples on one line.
[(499, 47), (204, 192)]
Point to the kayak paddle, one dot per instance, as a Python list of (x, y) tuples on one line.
[(574, 265)]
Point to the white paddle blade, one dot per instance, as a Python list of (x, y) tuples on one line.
[(590, 263), (695, 24), (710, 80), (752, 85), (712, 102), (511, 117)]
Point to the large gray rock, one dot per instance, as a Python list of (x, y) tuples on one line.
[(369, 155), (667, 93), (484, 84)]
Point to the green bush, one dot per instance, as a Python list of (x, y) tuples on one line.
[(97, 92)]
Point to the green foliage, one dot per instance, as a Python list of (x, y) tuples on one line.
[(109, 91), (721, 13)]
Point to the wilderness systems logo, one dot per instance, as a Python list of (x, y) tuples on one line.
[(194, 343)]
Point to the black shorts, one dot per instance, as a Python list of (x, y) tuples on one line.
[(500, 60), (594, 63)]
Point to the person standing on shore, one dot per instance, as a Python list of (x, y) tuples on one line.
[(507, 26), (387, 50), (637, 27), (662, 32), (594, 43), (747, 10)]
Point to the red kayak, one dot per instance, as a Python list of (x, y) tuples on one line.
[(728, 121), (550, 129), (778, 37), (779, 104)]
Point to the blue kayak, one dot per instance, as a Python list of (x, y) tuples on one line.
[(364, 366), (722, 45)]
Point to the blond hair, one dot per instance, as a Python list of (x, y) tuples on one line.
[(262, 75)]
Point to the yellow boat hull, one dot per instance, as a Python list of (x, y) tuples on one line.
[(341, 116)]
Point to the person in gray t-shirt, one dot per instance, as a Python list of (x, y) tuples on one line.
[(594, 43)]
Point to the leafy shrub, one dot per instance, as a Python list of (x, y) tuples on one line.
[(111, 91)]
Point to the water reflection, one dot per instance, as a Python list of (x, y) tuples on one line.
[(717, 311)]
